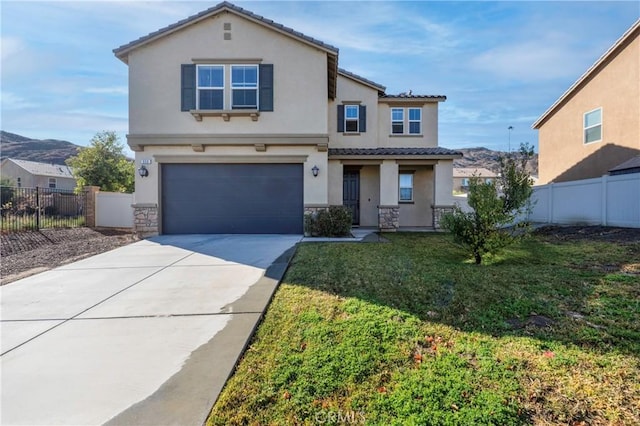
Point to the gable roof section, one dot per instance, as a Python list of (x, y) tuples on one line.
[(602, 62), (462, 172), (379, 87), (43, 169), (332, 52)]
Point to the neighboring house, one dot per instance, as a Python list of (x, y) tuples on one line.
[(595, 124), (462, 176), (244, 125), (31, 174)]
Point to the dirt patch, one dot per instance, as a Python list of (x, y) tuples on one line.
[(30, 252), (591, 233)]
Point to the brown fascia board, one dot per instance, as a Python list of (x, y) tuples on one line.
[(122, 51), (624, 41)]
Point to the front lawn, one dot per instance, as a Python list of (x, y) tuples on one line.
[(412, 332)]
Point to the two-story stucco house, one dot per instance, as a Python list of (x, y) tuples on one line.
[(243, 125), (595, 124)]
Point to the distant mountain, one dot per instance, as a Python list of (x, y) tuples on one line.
[(45, 151), (488, 159)]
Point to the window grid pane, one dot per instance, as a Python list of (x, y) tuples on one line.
[(415, 114), (244, 76), (397, 114), (397, 128), (406, 187), (593, 118), (593, 134), (414, 127), (210, 99), (211, 76), (351, 111)]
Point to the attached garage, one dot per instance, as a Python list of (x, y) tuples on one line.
[(232, 198)]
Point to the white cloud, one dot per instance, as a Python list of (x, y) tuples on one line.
[(113, 90), (11, 101)]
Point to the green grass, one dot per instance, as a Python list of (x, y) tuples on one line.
[(411, 332)]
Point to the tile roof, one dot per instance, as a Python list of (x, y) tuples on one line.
[(121, 51), (473, 171), (412, 96), (436, 152), (366, 81), (44, 169), (632, 163)]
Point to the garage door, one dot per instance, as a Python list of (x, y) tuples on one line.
[(232, 199)]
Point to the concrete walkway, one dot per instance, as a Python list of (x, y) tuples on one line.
[(146, 334)]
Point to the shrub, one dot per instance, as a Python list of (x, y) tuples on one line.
[(332, 222)]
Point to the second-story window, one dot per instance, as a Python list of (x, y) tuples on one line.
[(593, 126), (210, 87), (244, 86), (351, 118), (397, 121), (415, 121)]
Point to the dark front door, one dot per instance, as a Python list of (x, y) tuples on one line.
[(232, 198), (351, 194)]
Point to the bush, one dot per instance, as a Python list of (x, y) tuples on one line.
[(333, 222)]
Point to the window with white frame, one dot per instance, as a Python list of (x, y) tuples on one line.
[(593, 126), (351, 118), (210, 88), (465, 181), (406, 186), (415, 121), (397, 121), (244, 87), (52, 182)]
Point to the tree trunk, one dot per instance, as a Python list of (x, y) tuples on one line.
[(478, 257)]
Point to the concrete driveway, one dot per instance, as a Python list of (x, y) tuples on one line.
[(144, 334)]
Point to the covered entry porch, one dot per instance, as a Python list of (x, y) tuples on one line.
[(392, 188)]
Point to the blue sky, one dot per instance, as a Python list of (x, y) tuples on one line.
[(500, 64)]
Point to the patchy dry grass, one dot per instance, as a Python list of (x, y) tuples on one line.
[(411, 332)]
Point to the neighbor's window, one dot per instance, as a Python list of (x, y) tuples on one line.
[(397, 121), (19, 182), (351, 118), (593, 126), (52, 182), (210, 87), (465, 181), (244, 87), (415, 121), (406, 186)]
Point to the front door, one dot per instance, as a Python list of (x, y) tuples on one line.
[(351, 194)]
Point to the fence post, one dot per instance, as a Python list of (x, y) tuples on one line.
[(37, 208), (90, 200), (550, 203), (603, 194)]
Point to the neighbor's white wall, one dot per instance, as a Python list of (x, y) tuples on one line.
[(113, 210), (300, 80)]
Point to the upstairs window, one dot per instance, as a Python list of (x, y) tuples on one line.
[(397, 121), (244, 87), (406, 187), (593, 126), (210, 87), (415, 121), (351, 118)]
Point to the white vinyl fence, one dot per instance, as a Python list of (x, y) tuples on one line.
[(608, 201), (113, 210)]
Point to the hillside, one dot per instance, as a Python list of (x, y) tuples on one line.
[(45, 151), (483, 157)]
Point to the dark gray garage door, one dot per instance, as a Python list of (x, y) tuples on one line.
[(232, 199)]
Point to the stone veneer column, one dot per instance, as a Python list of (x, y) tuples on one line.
[(145, 219), (388, 218), (438, 211), (90, 205)]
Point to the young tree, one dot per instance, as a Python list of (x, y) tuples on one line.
[(103, 164), (495, 207)]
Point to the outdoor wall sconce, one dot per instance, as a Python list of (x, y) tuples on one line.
[(143, 172), (315, 171)]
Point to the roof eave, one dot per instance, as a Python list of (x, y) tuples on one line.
[(614, 49), (394, 156), (358, 79), (412, 100), (123, 51)]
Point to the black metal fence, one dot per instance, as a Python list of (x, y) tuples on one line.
[(38, 208)]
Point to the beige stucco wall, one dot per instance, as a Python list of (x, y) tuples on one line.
[(616, 88), (443, 183), (336, 172), (315, 188), (350, 91), (419, 212), (27, 180), (429, 137), (369, 195), (300, 80)]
